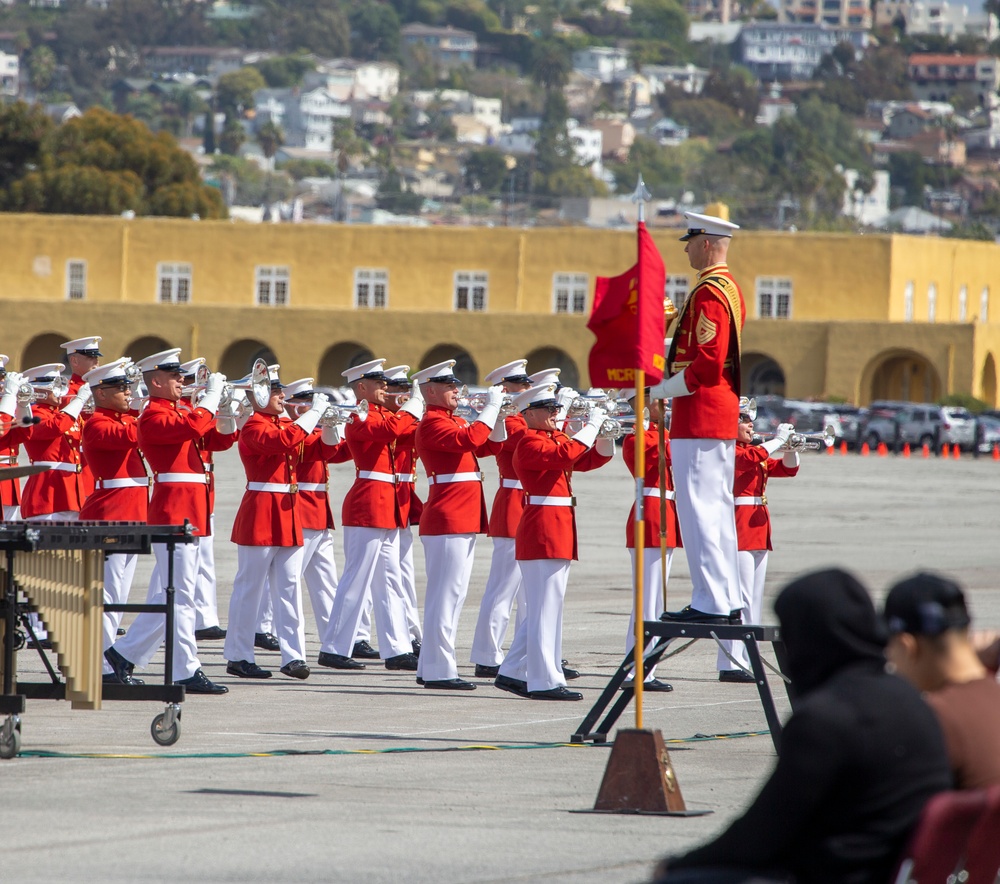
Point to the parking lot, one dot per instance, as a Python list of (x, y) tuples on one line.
[(365, 776)]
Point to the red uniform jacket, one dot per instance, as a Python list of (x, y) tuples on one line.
[(86, 474), (270, 447), (213, 441), (314, 505), (372, 501), (508, 504), (753, 466), (706, 350), (168, 439), (544, 461), (651, 512), (113, 440), (55, 439), (10, 448), (404, 459), (448, 446)]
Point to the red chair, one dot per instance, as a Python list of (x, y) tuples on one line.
[(983, 861), (938, 844)]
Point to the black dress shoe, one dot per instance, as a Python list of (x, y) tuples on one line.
[(210, 634), (246, 669), (122, 667), (736, 676), (44, 643), (338, 661), (511, 685), (420, 681), (653, 686), (120, 631), (266, 641), (364, 651), (487, 671), (111, 678), (450, 684), (406, 662), (559, 693), (693, 615), (568, 673), (199, 684), (296, 669), (416, 647)]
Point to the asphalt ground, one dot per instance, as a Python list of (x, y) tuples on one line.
[(366, 777)]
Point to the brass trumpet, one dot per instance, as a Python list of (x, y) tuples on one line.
[(336, 415), (806, 441), (477, 402)]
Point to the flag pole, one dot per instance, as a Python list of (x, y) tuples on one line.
[(640, 196)]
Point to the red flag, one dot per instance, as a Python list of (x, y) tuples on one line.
[(627, 321)]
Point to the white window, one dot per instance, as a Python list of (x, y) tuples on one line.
[(677, 288), (931, 302), (76, 280), (174, 283), (774, 297), (371, 288), (984, 305), (272, 286), (569, 293), (471, 289), (908, 303), (963, 303)]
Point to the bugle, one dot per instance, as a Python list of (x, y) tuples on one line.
[(336, 415), (806, 441)]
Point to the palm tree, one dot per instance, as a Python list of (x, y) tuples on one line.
[(270, 138)]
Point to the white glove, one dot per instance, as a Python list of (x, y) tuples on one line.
[(78, 401), (332, 435), (226, 424), (213, 392), (565, 398), (771, 446), (241, 420), (670, 387), (494, 399), (783, 432), (8, 401), (23, 415), (791, 459), (416, 392), (415, 405), (309, 420), (499, 433), (605, 447), (597, 418)]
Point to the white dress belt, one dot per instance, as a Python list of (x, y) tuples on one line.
[(182, 478), (451, 478), (541, 500), (377, 477), (276, 487), (750, 501), (512, 483), (406, 477), (655, 492), (124, 482), (58, 465), (312, 486)]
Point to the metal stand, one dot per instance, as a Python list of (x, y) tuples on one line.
[(658, 636)]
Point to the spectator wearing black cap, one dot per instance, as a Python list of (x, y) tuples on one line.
[(930, 646)]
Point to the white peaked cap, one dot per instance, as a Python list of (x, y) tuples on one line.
[(707, 224), (513, 371), (192, 366), (44, 374), (165, 360), (302, 385), (4, 359), (542, 394), (441, 373), (398, 374), (371, 370), (545, 376), (82, 345), (112, 373)]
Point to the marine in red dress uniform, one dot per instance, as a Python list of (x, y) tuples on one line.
[(455, 512), (82, 355), (14, 430), (546, 540)]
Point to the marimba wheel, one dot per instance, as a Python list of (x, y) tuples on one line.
[(10, 738), (165, 736)]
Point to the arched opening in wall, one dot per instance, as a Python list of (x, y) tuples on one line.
[(465, 368), (760, 375), (989, 381), (140, 348), (44, 349), (553, 357), (900, 374), (239, 357), (339, 358)]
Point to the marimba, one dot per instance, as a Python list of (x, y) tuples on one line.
[(59, 569)]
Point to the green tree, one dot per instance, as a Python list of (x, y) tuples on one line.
[(472, 15), (735, 87), (664, 18), (317, 26), (270, 138), (707, 117), (234, 91), (233, 137), (42, 68), (550, 64), (485, 170), (393, 198), (23, 130), (284, 71), (374, 30)]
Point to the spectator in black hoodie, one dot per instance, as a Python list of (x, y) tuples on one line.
[(860, 756)]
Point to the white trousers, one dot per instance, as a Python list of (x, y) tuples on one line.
[(371, 566), (653, 577), (503, 588), (535, 654), (119, 570), (258, 566), (206, 609), (319, 571), (703, 476), (409, 577), (753, 570), (448, 562), (147, 631), (64, 516)]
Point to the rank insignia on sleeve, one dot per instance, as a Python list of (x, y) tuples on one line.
[(705, 330)]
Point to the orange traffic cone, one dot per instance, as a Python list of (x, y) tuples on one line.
[(906, 449), (945, 452), (830, 450), (956, 451), (883, 449), (996, 452), (925, 450), (864, 449), (843, 449)]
